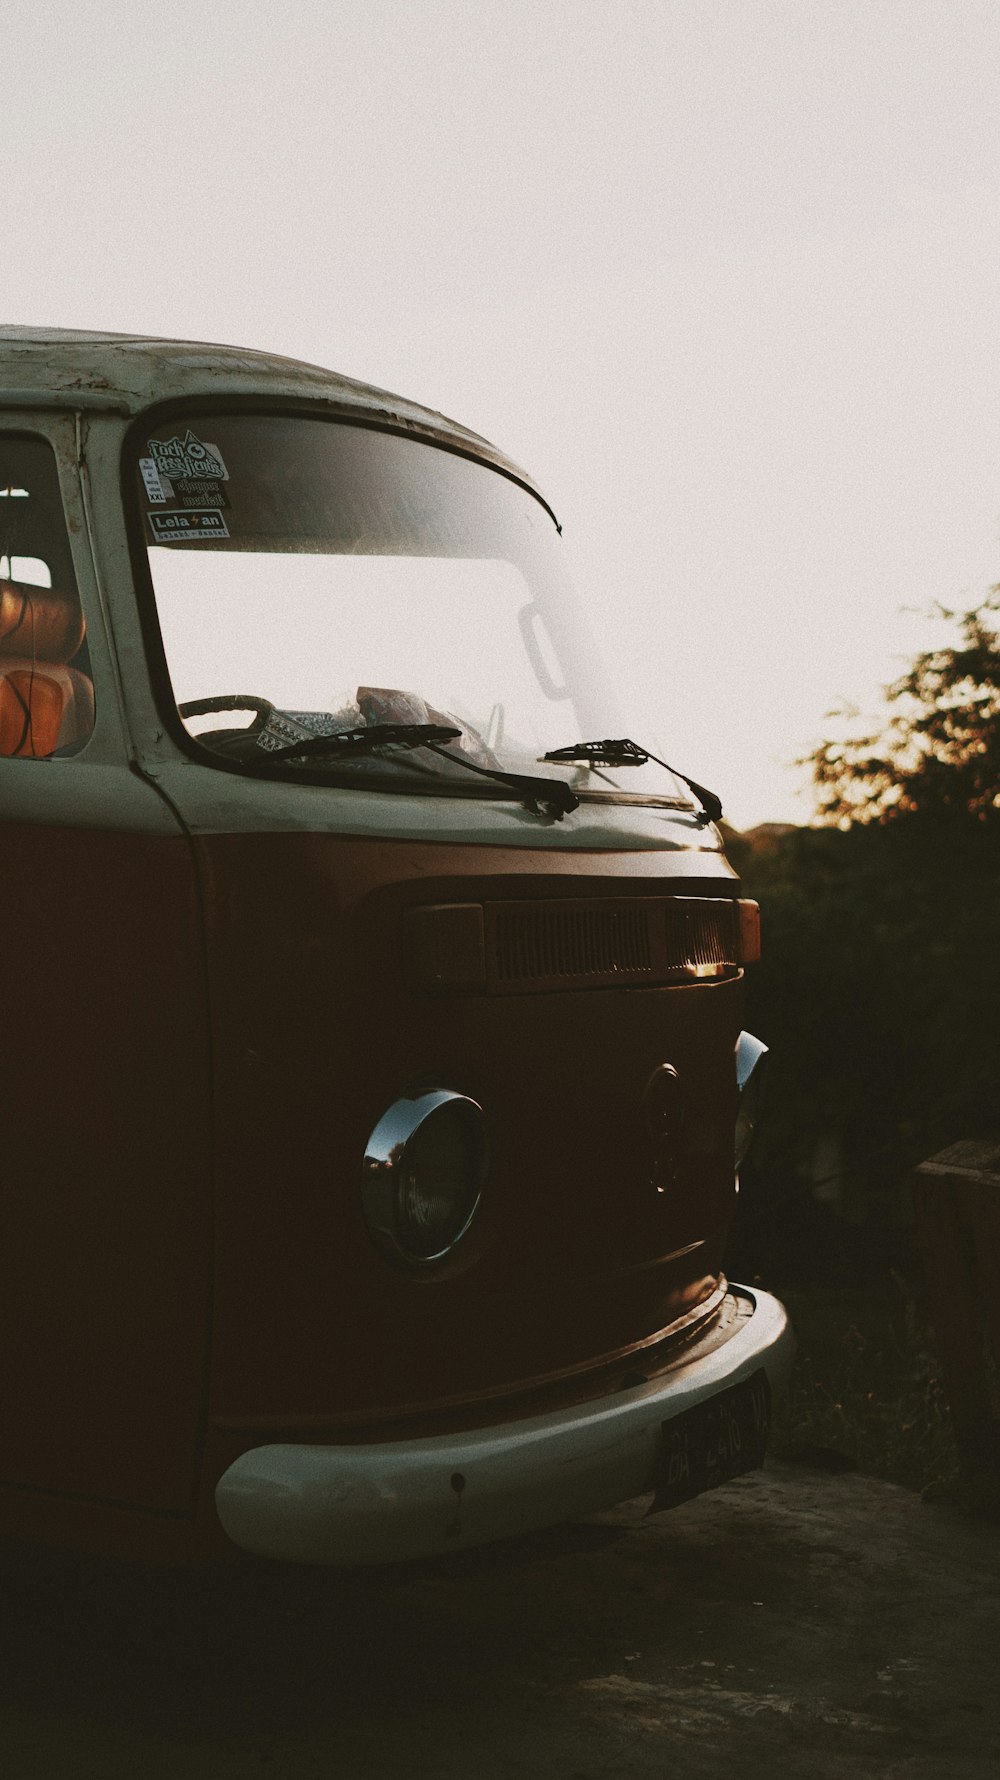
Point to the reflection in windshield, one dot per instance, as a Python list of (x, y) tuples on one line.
[(352, 577)]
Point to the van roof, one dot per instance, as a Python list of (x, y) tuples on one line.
[(124, 373)]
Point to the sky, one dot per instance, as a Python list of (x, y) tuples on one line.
[(724, 275)]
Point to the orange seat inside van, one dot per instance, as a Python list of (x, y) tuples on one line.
[(44, 703)]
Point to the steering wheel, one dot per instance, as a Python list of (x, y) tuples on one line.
[(230, 741), (228, 701)]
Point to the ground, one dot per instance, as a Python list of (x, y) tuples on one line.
[(792, 1623)]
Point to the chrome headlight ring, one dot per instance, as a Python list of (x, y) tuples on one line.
[(423, 1175)]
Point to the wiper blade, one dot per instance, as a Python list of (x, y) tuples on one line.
[(345, 742), (551, 795), (621, 751)]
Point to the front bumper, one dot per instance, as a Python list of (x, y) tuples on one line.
[(377, 1504)]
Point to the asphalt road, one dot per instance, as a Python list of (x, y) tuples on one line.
[(791, 1624)]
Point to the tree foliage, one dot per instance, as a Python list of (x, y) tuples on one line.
[(937, 755), (880, 977)]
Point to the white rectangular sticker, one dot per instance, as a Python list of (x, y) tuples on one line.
[(157, 488), (196, 522)]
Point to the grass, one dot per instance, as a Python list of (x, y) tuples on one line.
[(868, 1392)]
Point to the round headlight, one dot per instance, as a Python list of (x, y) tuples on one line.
[(751, 1066), (423, 1176)]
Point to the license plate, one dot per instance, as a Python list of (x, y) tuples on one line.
[(713, 1442)]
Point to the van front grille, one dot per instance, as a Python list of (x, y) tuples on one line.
[(523, 948), (534, 942)]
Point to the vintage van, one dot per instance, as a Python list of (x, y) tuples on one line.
[(374, 1081)]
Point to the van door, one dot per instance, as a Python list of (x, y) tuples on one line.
[(104, 1098)]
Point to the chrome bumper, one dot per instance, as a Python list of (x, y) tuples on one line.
[(377, 1504)]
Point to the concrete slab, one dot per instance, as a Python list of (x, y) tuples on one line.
[(791, 1624)]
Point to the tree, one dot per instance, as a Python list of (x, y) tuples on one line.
[(937, 755), (880, 977)]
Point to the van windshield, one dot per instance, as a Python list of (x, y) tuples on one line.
[(338, 578)]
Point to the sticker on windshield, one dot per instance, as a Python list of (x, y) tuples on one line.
[(177, 458), (198, 522), (192, 491), (156, 488)]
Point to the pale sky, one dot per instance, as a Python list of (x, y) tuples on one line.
[(724, 275)]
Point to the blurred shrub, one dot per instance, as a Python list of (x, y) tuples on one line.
[(879, 987)]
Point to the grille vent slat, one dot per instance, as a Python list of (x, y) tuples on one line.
[(527, 948), (540, 942), (532, 946), (698, 937)]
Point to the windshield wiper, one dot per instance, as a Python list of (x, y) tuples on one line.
[(623, 752), (362, 741), (552, 795)]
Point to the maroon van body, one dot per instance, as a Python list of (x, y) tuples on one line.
[(376, 1069)]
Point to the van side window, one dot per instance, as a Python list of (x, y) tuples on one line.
[(46, 687)]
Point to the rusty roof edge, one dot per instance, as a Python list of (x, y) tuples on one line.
[(68, 398), (145, 369), (127, 373)]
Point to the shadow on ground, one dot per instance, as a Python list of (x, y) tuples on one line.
[(790, 1621)]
